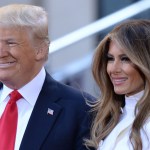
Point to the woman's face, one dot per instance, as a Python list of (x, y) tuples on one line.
[(124, 76)]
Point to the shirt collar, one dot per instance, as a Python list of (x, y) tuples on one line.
[(132, 100), (30, 91), (5, 91)]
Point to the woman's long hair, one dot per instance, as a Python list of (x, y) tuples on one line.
[(134, 38)]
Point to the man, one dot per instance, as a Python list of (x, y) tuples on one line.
[(50, 115)]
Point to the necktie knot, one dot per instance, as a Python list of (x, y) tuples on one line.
[(14, 96)]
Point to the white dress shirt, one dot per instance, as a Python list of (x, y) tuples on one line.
[(30, 93), (118, 139)]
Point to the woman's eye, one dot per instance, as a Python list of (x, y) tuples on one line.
[(110, 58), (125, 59)]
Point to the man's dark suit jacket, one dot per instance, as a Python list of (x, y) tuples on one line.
[(65, 128)]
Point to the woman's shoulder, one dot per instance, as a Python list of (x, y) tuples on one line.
[(147, 125), (145, 131), (147, 122), (145, 134)]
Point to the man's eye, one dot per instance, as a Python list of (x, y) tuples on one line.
[(11, 43)]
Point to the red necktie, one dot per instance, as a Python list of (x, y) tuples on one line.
[(8, 123)]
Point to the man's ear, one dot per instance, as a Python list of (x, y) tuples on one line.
[(41, 52)]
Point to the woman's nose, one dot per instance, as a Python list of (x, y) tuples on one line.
[(116, 67)]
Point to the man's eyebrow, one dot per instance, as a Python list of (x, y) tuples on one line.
[(7, 39)]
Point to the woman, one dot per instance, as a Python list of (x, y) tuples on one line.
[(121, 69)]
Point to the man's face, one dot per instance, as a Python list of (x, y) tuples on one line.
[(18, 57)]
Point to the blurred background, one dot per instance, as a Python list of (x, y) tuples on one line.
[(75, 29)]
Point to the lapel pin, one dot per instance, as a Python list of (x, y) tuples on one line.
[(50, 111)]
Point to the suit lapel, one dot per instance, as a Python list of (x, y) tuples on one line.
[(42, 121)]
